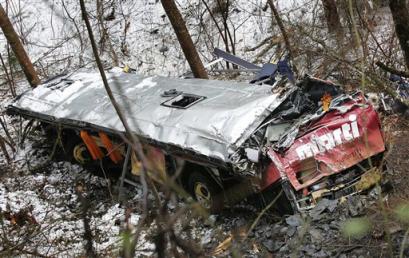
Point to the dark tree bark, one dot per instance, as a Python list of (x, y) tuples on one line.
[(184, 38), (284, 33), (18, 49), (332, 16), (400, 16)]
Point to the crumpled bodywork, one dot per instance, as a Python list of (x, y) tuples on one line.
[(211, 128), (262, 134), (326, 143)]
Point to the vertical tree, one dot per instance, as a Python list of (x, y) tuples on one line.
[(332, 16), (400, 14), (184, 38), (18, 49), (284, 33)]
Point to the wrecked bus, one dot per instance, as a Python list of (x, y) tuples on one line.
[(224, 140)]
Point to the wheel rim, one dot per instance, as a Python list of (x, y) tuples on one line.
[(80, 154), (203, 195)]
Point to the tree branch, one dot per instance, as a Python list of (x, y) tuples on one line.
[(392, 70), (284, 33)]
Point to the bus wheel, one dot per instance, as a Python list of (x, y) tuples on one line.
[(206, 191)]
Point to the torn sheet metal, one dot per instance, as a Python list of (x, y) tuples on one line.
[(342, 104), (335, 142), (223, 119)]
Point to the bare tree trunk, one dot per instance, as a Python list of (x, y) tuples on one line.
[(18, 49), (400, 16), (284, 33), (134, 141), (184, 38), (105, 38), (332, 16)]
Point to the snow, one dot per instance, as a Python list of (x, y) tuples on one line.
[(146, 83), (51, 36), (52, 202)]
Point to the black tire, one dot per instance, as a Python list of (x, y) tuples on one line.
[(73, 149), (201, 182), (76, 152), (73, 146), (282, 205)]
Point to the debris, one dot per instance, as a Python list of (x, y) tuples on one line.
[(355, 205), (323, 205), (269, 244), (294, 220), (291, 231), (316, 235), (223, 246)]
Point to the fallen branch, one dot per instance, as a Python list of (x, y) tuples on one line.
[(392, 70), (270, 39)]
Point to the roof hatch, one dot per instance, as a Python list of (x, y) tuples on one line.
[(183, 101)]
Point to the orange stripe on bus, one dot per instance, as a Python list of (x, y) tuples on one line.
[(92, 147), (114, 154)]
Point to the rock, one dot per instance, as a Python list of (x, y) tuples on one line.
[(323, 205), (334, 225), (276, 228), (260, 230), (309, 249), (291, 231), (267, 228), (283, 249), (316, 235), (273, 246), (321, 253), (324, 227), (355, 205), (283, 230), (353, 211), (269, 244), (278, 245), (268, 233), (294, 220), (257, 234)]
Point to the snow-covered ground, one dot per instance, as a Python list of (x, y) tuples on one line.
[(50, 30), (42, 211)]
